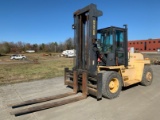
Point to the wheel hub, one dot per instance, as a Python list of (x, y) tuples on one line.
[(114, 85), (111, 85), (149, 76)]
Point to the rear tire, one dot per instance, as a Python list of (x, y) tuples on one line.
[(112, 84), (147, 77)]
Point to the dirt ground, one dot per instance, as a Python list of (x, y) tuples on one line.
[(154, 55), (134, 103)]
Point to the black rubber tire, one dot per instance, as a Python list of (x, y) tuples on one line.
[(145, 81), (107, 77)]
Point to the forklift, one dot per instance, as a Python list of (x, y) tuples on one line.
[(102, 66)]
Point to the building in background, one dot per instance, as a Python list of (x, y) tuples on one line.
[(30, 51), (150, 45)]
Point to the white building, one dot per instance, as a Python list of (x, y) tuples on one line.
[(30, 51)]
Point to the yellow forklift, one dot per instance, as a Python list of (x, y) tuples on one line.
[(102, 65)]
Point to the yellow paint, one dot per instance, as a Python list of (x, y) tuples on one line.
[(133, 73), (114, 85)]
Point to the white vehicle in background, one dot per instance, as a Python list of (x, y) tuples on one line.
[(18, 57), (69, 53), (64, 53), (158, 50)]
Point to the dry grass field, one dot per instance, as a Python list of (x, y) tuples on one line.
[(12, 71), (48, 66)]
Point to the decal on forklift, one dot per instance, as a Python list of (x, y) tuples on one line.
[(93, 62), (94, 27)]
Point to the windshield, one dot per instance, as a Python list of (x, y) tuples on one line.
[(119, 38), (105, 42)]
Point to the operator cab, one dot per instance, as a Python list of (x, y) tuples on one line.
[(112, 46)]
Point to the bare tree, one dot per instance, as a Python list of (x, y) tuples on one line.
[(69, 44), (4, 48)]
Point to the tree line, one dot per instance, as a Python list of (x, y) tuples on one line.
[(19, 47)]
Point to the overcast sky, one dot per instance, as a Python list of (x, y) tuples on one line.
[(45, 21)]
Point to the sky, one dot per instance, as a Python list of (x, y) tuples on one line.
[(46, 21)]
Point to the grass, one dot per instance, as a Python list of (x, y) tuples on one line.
[(48, 67), (13, 71)]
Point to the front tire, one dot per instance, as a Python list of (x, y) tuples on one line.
[(112, 84), (147, 77)]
